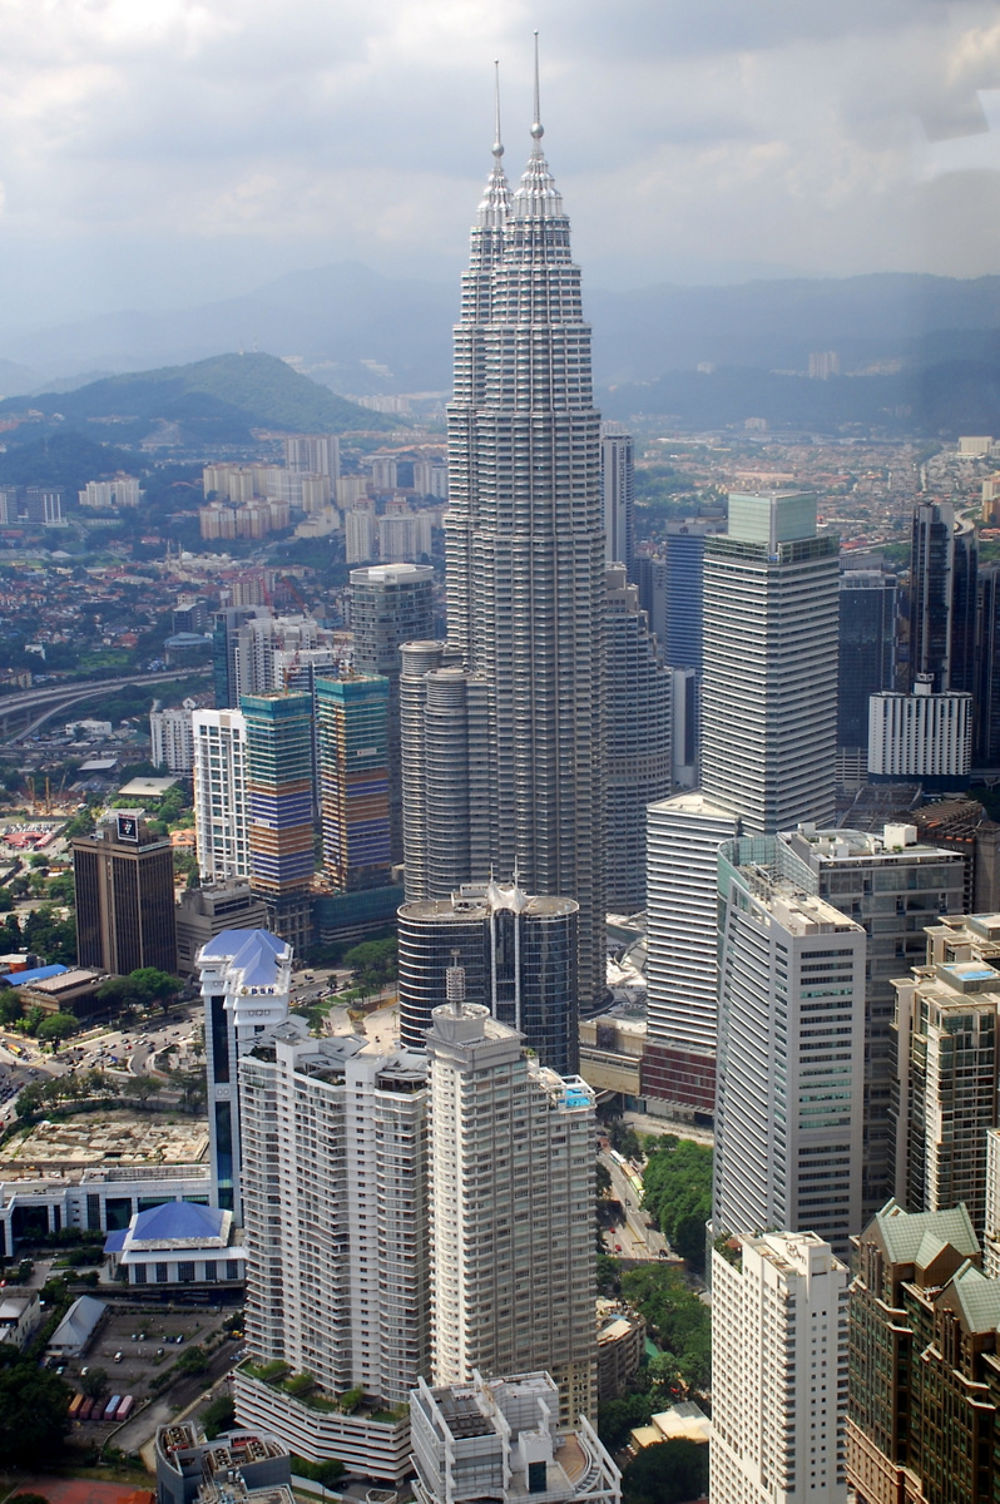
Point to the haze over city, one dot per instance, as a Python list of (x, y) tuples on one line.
[(178, 152)]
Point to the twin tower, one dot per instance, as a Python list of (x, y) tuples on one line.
[(503, 726)]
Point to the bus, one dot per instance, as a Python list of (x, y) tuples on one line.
[(125, 1408), (75, 1406), (111, 1408)]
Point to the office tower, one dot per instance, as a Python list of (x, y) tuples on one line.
[(893, 886), (246, 982), (354, 780), (279, 736), (683, 839), (511, 1208), (779, 1315), (921, 738), (924, 1398), (684, 713), (638, 754), (43, 504), (124, 881), (651, 578), (445, 775), (946, 1097), (391, 604), (506, 1434), (170, 739), (991, 1219), (768, 745), (791, 1054), (525, 547), (942, 592), (205, 911), (866, 658), (519, 957), (986, 731), (313, 453), (618, 493), (769, 691), (225, 639), (221, 813), (683, 591), (335, 1209)]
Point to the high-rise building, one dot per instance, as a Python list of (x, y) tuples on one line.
[(867, 655), (921, 738), (246, 982), (225, 641), (638, 721), (684, 571), (445, 775), (942, 597), (768, 749), (525, 547), (769, 691), (682, 927), (506, 1434), (354, 780), (788, 1113), (335, 1207), (986, 732), (779, 1315), (893, 886), (924, 1393), (205, 911), (391, 604), (945, 1100), (170, 739), (313, 453), (618, 491), (279, 765), (221, 816), (511, 1208), (360, 531), (124, 880), (519, 957)]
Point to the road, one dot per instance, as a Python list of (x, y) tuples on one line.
[(638, 1240), (55, 697)]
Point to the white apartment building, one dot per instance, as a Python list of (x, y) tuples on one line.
[(788, 1118), (779, 1394), (172, 739), (121, 491), (335, 1213), (511, 1206), (683, 836), (502, 1440), (360, 533), (219, 747)]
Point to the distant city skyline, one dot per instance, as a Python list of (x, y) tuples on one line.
[(198, 152)]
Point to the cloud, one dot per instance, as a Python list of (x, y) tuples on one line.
[(703, 136)]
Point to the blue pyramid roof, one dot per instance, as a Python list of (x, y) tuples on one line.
[(178, 1221)]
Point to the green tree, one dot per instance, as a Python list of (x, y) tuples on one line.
[(677, 1189), (668, 1472), (33, 1403), (94, 1382), (56, 1027), (677, 1320), (155, 986), (219, 1416)]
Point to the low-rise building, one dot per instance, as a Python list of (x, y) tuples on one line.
[(178, 1243)]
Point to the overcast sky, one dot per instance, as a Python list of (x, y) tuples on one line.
[(156, 153)]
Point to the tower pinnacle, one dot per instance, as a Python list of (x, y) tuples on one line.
[(537, 128), (495, 201)]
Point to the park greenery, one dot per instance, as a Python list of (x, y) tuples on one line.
[(677, 1181), (33, 1404)]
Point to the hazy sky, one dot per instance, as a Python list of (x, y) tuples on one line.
[(162, 152)]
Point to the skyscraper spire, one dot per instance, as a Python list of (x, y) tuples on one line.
[(495, 202), (537, 197)]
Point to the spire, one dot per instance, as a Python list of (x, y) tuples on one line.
[(495, 203), (537, 197), (537, 128)]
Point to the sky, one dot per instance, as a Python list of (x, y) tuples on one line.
[(164, 153)]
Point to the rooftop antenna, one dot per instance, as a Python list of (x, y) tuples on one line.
[(537, 128)]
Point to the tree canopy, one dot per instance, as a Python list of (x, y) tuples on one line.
[(33, 1410), (677, 1183), (668, 1472)]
